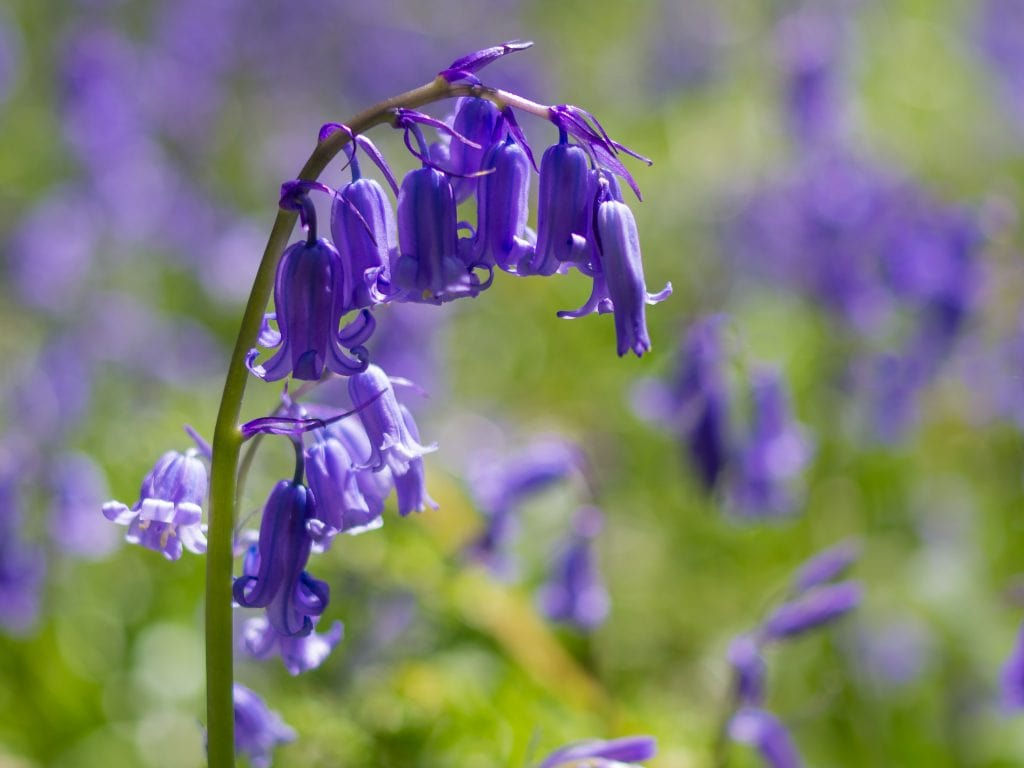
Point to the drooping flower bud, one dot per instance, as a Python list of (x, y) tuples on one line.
[(575, 594), (340, 504), (410, 486), (563, 210), (481, 122), (363, 228), (274, 577), (503, 208), (429, 268), (299, 654)]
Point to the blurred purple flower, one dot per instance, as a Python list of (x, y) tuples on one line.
[(744, 656), (575, 594), (22, 565), (814, 608), (768, 466), (1000, 33), (1011, 679), (299, 654), (10, 56), (614, 753), (258, 730), (764, 731), (826, 566), (79, 488)]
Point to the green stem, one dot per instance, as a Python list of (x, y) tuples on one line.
[(227, 436)]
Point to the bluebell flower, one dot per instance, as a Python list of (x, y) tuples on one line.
[(373, 484), (22, 565), (363, 228), (298, 653), (619, 285), (815, 608), (168, 513), (333, 478), (431, 267), (481, 122), (502, 237), (764, 731), (564, 208), (392, 444), (506, 483), (826, 565), (258, 730), (775, 453), (748, 665), (574, 594), (613, 753), (410, 486), (310, 299), (274, 575)]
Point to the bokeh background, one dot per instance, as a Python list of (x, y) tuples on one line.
[(839, 181)]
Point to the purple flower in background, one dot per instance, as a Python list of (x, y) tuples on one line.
[(764, 731), (168, 513), (810, 48), (258, 730), (79, 488), (299, 654), (815, 608), (774, 455), (506, 482), (574, 593), (274, 575), (391, 441), (22, 566), (744, 656), (1011, 679), (826, 566), (613, 753), (1001, 38)]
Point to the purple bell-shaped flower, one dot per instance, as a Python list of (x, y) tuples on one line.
[(575, 594), (299, 654), (502, 237), (168, 514), (257, 729), (274, 575), (392, 443), (481, 124), (334, 480), (410, 486)]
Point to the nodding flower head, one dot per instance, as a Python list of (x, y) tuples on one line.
[(333, 478), (480, 121), (563, 210), (392, 443), (503, 208), (363, 227), (168, 514), (429, 268), (274, 574), (619, 285)]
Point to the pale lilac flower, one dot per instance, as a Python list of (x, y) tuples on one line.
[(274, 575), (299, 654), (575, 594), (613, 753), (410, 486), (258, 730), (392, 444), (826, 566), (79, 487), (764, 731), (168, 513), (333, 478)]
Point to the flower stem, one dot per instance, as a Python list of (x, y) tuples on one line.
[(227, 436)]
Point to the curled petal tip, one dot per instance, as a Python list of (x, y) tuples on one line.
[(464, 67)]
